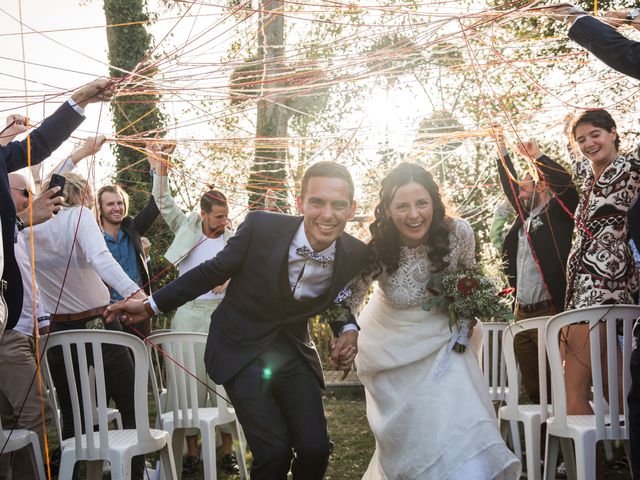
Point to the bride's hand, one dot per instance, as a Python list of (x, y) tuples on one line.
[(344, 350)]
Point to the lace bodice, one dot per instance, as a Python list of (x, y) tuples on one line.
[(407, 286)]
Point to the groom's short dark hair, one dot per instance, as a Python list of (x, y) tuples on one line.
[(327, 169)]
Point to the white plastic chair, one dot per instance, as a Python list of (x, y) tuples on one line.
[(493, 365), (534, 415), (182, 396), (495, 372), (116, 446), (113, 414), (10, 441), (607, 422)]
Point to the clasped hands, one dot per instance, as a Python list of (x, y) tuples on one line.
[(344, 350)]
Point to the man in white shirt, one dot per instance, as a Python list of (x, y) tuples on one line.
[(199, 236)]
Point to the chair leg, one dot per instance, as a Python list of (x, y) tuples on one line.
[(532, 446), (120, 467), (118, 420), (177, 445), (208, 453), (94, 470), (569, 456), (586, 457), (515, 438), (67, 462), (36, 457), (168, 466), (551, 457)]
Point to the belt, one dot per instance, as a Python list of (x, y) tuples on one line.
[(533, 307), (73, 317)]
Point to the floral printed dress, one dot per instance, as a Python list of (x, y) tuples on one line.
[(601, 268)]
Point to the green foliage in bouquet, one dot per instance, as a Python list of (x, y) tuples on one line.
[(473, 294)]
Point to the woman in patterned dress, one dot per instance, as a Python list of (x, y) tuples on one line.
[(429, 422), (601, 268)]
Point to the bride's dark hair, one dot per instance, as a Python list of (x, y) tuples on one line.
[(384, 246)]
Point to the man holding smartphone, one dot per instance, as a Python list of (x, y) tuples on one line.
[(13, 156)]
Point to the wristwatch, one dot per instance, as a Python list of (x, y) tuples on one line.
[(20, 224), (633, 14)]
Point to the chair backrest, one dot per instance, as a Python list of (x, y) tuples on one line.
[(610, 317), (180, 367), (493, 365), (74, 343), (508, 351)]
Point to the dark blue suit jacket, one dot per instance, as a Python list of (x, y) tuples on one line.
[(621, 54), (606, 43), (45, 139), (258, 304)]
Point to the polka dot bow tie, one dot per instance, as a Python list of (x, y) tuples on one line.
[(306, 252)]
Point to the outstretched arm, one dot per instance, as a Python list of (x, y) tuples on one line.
[(609, 45)]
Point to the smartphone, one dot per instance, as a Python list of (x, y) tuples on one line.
[(57, 181)]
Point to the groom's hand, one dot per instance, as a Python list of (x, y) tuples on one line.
[(343, 351)]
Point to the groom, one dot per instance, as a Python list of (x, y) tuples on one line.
[(283, 270)]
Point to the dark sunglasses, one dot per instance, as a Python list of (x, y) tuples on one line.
[(25, 191)]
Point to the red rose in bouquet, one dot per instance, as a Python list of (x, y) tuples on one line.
[(466, 285)]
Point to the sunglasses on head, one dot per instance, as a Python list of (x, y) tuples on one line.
[(25, 191)]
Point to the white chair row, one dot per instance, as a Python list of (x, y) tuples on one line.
[(91, 414), (576, 434)]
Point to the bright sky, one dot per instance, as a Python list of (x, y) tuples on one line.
[(56, 62)]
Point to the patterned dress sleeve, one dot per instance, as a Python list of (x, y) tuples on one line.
[(359, 287), (463, 245)]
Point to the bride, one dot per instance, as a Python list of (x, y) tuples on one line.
[(427, 425)]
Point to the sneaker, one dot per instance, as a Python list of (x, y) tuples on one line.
[(229, 464), (190, 465)]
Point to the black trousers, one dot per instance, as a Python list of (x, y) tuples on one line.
[(633, 402), (278, 401), (119, 383)]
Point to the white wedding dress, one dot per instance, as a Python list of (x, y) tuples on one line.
[(426, 425)]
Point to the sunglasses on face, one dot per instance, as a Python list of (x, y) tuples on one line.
[(25, 191)]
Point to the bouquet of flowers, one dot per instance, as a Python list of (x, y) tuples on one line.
[(467, 296)]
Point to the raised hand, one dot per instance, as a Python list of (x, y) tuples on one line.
[(99, 90), (529, 149), (16, 124), (90, 147), (43, 208)]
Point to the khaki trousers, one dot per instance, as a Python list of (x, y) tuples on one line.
[(526, 349), (18, 362)]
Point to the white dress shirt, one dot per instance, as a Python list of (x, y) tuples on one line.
[(73, 237), (530, 286), (315, 278), (205, 249), (25, 322)]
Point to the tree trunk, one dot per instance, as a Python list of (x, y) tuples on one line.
[(269, 172)]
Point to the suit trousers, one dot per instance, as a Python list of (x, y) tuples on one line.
[(526, 349), (20, 401), (278, 401), (119, 382)]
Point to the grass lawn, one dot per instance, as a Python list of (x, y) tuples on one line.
[(354, 443)]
